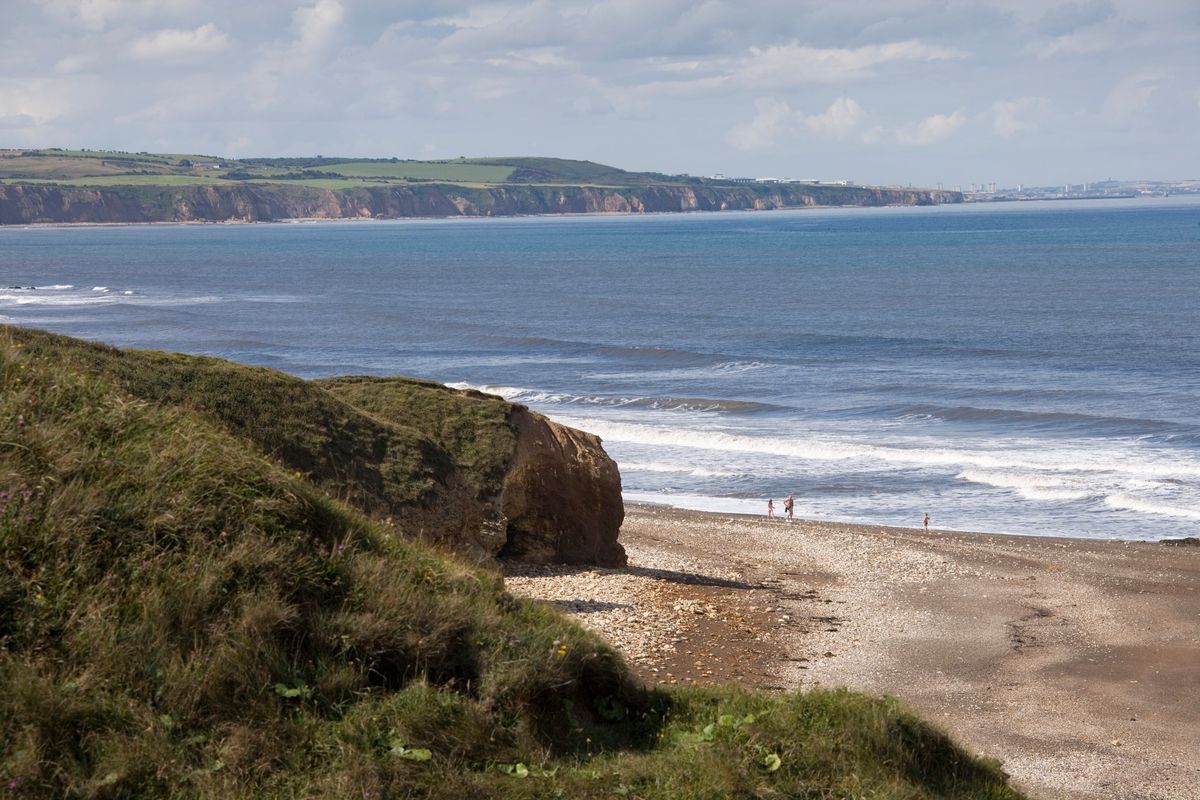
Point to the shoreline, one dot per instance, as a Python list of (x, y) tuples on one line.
[(907, 529), (1072, 661)]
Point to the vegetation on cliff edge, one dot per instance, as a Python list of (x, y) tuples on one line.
[(182, 614)]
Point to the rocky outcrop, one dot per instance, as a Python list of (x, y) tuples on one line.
[(24, 204), (562, 496), (540, 492)]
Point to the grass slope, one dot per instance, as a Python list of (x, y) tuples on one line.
[(183, 616), (394, 466), (473, 427)]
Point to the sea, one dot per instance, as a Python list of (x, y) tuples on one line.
[(1028, 368)]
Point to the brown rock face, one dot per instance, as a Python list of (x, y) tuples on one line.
[(510, 483), (561, 497)]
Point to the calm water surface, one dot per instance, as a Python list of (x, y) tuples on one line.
[(1026, 368)]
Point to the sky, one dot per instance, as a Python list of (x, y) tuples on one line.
[(900, 92)]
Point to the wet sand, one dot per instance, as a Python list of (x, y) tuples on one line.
[(1076, 663)]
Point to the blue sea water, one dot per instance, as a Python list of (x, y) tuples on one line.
[(1027, 368)]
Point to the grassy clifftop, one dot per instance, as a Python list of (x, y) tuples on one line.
[(99, 168), (183, 614)]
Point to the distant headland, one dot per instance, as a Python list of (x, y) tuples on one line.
[(56, 186)]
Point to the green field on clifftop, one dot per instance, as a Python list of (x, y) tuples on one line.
[(203, 593), (113, 168)]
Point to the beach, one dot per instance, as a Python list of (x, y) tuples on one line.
[(1075, 662)]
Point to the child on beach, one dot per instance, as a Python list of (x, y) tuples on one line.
[(926, 520), (770, 509)]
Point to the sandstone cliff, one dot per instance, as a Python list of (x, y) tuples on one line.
[(23, 204), (542, 492), (562, 495)]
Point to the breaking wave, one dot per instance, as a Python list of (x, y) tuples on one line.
[(516, 394), (1029, 486), (1125, 502)]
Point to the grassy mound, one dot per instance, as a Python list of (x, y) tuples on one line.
[(472, 427), (406, 449), (183, 616)]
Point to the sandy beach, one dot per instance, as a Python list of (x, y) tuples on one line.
[(1076, 663)]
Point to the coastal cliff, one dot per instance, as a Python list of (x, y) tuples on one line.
[(24, 204), (477, 475)]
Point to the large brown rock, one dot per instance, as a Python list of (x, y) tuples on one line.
[(562, 495), (539, 491)]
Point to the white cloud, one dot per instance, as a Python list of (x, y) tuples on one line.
[(93, 14), (796, 64), (873, 135), (842, 116), (1131, 94), (173, 44), (774, 120), (36, 102), (931, 130), (771, 119), (100, 14), (790, 65), (1010, 117), (1071, 16), (1074, 44), (316, 25)]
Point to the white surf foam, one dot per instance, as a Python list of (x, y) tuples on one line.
[(1126, 502), (1075, 461), (67, 299), (694, 502), (513, 394), (58, 287), (517, 394), (681, 469), (43, 300), (1029, 486)]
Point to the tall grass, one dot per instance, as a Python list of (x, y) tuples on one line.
[(182, 615)]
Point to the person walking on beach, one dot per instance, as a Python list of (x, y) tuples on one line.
[(926, 521), (771, 509), (788, 505)]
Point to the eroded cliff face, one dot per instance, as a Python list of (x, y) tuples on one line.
[(517, 485), (562, 496), (24, 204)]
